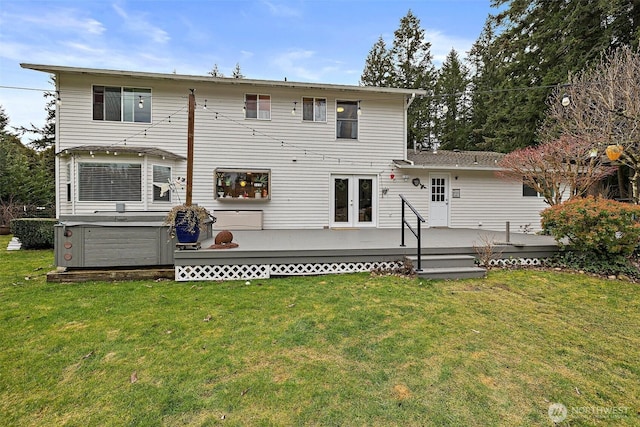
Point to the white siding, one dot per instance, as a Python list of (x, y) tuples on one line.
[(484, 199), (301, 155)]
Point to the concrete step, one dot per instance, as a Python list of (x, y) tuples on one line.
[(14, 244), (452, 273), (437, 261)]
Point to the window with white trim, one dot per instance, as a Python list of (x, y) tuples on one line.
[(117, 182), (121, 104), (68, 182), (161, 180), (257, 107), (314, 109), (347, 119)]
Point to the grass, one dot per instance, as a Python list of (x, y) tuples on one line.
[(346, 350)]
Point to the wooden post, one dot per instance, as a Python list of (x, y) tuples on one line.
[(190, 132)]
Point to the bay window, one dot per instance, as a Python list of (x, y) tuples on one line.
[(116, 182)]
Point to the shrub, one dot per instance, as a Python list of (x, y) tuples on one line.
[(603, 227), (34, 233), (613, 265)]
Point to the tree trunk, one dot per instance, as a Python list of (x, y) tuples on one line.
[(622, 184), (634, 182)]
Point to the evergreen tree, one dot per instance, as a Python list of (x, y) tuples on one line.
[(47, 133), (411, 55), (378, 68), (215, 72), (484, 66), (237, 74), (538, 44), (26, 174), (452, 118)]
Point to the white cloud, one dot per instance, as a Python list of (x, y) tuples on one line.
[(293, 64), (66, 20), (246, 54), (281, 10), (305, 65), (139, 25), (441, 45)]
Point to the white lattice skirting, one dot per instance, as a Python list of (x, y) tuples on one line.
[(185, 273), (511, 262)]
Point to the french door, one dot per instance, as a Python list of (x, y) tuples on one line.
[(353, 200)]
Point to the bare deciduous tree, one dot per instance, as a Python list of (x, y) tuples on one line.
[(601, 106)]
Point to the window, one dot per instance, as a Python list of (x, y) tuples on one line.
[(236, 184), (528, 191), (161, 179), (68, 182), (257, 107), (314, 109), (347, 119), (103, 182), (115, 104)]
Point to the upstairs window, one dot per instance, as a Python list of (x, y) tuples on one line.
[(118, 104), (347, 119), (257, 107), (314, 109)]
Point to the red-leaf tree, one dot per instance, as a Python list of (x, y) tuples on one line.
[(560, 169)]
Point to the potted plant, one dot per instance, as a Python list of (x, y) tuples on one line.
[(185, 222)]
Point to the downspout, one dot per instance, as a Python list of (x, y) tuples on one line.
[(57, 181), (406, 109)]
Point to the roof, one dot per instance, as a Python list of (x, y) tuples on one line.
[(124, 149), (55, 69), (452, 159)]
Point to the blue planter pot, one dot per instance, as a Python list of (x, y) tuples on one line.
[(183, 234)]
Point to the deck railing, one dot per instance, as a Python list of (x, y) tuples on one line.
[(416, 232)]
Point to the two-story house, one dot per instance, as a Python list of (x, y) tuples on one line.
[(267, 155)]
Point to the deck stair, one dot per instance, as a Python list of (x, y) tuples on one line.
[(448, 267)]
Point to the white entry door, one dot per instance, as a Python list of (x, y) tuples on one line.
[(354, 201), (439, 203)]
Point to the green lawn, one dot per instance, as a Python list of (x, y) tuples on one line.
[(348, 350)]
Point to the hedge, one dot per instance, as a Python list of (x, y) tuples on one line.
[(34, 233)]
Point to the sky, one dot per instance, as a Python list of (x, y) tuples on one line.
[(323, 41)]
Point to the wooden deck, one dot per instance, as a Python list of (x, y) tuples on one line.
[(268, 253)]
